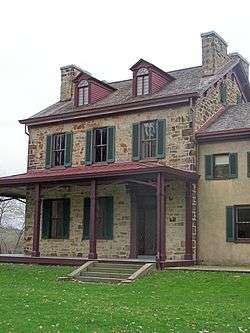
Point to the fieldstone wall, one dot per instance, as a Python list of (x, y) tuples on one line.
[(179, 145), (119, 246), (207, 105)]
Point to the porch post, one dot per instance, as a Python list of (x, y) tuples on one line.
[(133, 233), (92, 229), (188, 240), (161, 219), (36, 223)]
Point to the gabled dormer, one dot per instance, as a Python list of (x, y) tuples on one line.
[(148, 78), (89, 90)]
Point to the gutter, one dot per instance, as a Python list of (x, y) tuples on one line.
[(111, 110), (231, 134)]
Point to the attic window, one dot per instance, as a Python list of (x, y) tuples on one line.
[(142, 82), (83, 93)]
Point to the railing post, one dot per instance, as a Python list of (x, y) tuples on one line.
[(36, 222), (92, 237)]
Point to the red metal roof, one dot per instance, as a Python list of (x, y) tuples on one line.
[(94, 171)]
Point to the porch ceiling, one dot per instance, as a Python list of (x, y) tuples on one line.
[(16, 185)]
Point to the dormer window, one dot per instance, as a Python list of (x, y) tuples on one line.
[(83, 93), (142, 82)]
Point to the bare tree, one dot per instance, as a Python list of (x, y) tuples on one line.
[(11, 224)]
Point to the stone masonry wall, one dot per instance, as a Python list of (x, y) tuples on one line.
[(179, 145), (208, 104), (119, 246)]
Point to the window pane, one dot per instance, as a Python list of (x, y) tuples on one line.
[(98, 137), (244, 214), (86, 95), (146, 85), (57, 219), (149, 130), (104, 153), (98, 154), (80, 96), (243, 230), (104, 136), (221, 159), (139, 86)]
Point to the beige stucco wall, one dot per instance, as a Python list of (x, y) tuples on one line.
[(213, 197)]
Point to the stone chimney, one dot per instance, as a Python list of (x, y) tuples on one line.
[(68, 74), (214, 52), (243, 61)]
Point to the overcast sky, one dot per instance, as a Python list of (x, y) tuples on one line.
[(104, 37)]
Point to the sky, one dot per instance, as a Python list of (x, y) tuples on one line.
[(103, 37)]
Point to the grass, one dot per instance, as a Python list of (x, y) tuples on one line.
[(32, 300)]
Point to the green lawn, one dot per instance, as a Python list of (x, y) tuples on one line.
[(32, 300)]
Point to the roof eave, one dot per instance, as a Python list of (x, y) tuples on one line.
[(231, 134), (110, 110)]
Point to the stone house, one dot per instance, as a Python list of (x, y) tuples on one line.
[(150, 168)]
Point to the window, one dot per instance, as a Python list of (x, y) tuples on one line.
[(104, 218), (100, 144), (58, 149), (243, 222), (83, 93), (142, 82), (56, 214), (239, 99), (148, 139), (221, 166), (223, 93)]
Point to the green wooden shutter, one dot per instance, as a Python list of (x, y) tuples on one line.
[(209, 166), (68, 149), (248, 164), (66, 218), (106, 210), (233, 165), (89, 147), (48, 157), (86, 218), (111, 144), (136, 142), (161, 138), (229, 224), (46, 220)]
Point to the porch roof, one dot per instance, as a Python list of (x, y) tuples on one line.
[(16, 185)]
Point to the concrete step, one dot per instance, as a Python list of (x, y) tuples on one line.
[(99, 279), (105, 274), (113, 269), (114, 265)]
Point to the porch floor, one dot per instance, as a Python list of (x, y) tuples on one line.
[(78, 261)]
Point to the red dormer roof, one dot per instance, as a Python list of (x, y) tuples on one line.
[(97, 89), (157, 77)]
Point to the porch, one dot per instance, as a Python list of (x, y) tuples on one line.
[(146, 194)]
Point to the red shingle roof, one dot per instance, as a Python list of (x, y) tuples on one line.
[(93, 171)]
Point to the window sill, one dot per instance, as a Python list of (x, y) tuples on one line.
[(242, 241)]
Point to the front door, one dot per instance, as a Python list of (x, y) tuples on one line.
[(146, 225)]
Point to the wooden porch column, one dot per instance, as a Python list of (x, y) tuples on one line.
[(188, 240), (92, 229), (133, 232), (36, 222), (161, 219)]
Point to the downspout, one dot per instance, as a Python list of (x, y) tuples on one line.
[(25, 130)]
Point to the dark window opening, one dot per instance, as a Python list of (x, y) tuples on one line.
[(148, 139), (100, 144), (56, 218), (104, 218), (58, 149), (243, 222), (223, 93)]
